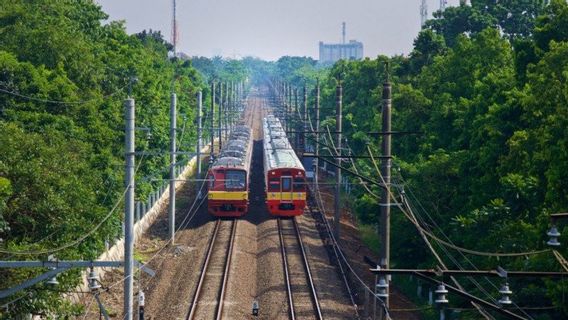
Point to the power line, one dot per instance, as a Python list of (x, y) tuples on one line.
[(19, 95)]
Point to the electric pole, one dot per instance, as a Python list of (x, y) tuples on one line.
[(220, 121), (212, 121), (384, 222), (304, 122), (129, 141), (227, 108), (316, 144), (173, 129), (338, 128), (199, 132)]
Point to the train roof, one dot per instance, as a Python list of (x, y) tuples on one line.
[(278, 150), (283, 158), (229, 162), (234, 151)]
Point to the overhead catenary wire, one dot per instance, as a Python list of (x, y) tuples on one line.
[(450, 256), (321, 206), (30, 98), (474, 252), (187, 219)]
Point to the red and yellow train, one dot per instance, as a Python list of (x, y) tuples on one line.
[(284, 174), (228, 177)]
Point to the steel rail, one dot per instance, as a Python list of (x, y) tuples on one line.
[(226, 273), (313, 203), (204, 267), (286, 271), (315, 299), (307, 270)]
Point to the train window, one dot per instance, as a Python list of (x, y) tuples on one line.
[(273, 184), (235, 180), (286, 184), (299, 184)]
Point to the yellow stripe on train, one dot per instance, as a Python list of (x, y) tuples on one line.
[(287, 196), (227, 195)]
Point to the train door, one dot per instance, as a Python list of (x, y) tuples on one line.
[(287, 191)]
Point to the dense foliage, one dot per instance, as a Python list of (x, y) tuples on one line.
[(64, 73), (486, 86)]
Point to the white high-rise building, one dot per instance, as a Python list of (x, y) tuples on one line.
[(332, 52)]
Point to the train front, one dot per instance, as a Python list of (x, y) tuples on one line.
[(286, 191), (227, 188)]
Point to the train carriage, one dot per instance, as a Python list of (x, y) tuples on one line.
[(285, 177), (228, 177)]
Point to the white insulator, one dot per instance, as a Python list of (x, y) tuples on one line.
[(553, 234), (441, 294), (382, 288)]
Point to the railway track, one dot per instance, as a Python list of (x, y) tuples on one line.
[(209, 295), (303, 304)]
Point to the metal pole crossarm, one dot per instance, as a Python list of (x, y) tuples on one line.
[(28, 283), (472, 298), (484, 273), (555, 216), (60, 264)]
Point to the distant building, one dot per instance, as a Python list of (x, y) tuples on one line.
[(332, 52)]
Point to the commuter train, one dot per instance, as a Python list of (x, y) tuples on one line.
[(284, 174), (228, 176)]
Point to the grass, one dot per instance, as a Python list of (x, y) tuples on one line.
[(369, 237)]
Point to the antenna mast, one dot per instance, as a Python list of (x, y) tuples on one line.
[(443, 4), (174, 29), (423, 13)]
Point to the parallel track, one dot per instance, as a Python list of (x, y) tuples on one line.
[(200, 304), (293, 310)]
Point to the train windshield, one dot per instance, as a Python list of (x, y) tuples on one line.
[(235, 180), (299, 184), (286, 184)]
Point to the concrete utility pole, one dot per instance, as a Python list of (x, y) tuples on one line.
[(199, 131), (173, 134), (227, 109), (316, 150), (212, 120), (233, 104), (338, 128), (286, 88), (384, 223), (220, 121), (304, 125), (129, 116), (294, 116), (289, 109)]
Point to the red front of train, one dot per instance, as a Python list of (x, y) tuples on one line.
[(227, 192), (286, 191)]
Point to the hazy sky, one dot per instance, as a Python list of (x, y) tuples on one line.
[(270, 29)]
